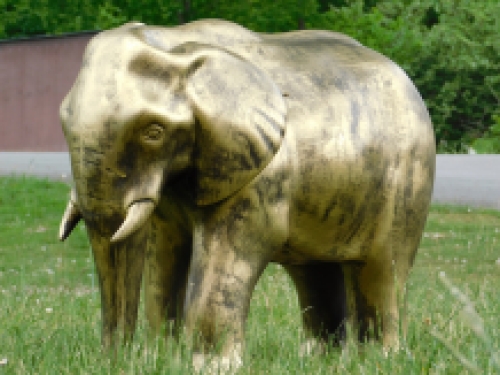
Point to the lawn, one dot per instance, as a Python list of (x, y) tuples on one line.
[(50, 306)]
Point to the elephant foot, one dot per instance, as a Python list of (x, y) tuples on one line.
[(218, 364), (391, 344), (312, 346)]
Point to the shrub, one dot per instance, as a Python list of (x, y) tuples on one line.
[(457, 68), (489, 143)]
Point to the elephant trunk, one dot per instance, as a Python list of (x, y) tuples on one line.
[(119, 267), (119, 261)]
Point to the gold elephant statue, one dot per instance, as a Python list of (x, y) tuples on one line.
[(203, 152)]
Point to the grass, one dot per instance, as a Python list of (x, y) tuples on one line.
[(50, 307)]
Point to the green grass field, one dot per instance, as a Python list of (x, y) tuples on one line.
[(50, 306)]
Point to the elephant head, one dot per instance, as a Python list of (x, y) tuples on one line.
[(137, 117)]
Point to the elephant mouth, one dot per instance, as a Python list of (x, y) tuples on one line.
[(137, 213)]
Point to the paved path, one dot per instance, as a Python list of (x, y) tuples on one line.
[(468, 179), (42, 164), (460, 179)]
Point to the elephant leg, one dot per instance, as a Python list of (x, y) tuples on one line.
[(322, 299), (165, 274), (220, 286), (231, 250), (372, 294)]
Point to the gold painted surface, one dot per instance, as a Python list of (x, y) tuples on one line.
[(214, 150)]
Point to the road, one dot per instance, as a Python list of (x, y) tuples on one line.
[(54, 165), (472, 180)]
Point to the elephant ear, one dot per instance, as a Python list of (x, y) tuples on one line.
[(240, 121)]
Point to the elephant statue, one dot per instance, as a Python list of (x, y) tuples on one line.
[(203, 152)]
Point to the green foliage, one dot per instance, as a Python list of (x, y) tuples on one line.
[(50, 17), (489, 143), (458, 67), (154, 12), (390, 36), (21, 18), (258, 15), (325, 5)]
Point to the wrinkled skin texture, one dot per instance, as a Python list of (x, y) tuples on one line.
[(203, 152)]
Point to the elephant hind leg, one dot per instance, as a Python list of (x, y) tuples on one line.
[(374, 293), (322, 299)]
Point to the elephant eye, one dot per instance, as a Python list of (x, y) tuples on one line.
[(153, 133)]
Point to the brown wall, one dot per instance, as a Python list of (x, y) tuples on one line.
[(35, 75)]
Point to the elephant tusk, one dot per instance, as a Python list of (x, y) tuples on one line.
[(137, 214), (70, 219)]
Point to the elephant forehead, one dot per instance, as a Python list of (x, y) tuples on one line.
[(92, 118), (101, 86)]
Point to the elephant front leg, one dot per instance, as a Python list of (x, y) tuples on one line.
[(119, 267), (165, 273), (219, 291), (224, 270)]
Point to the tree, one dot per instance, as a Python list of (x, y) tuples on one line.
[(457, 66), (258, 15)]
